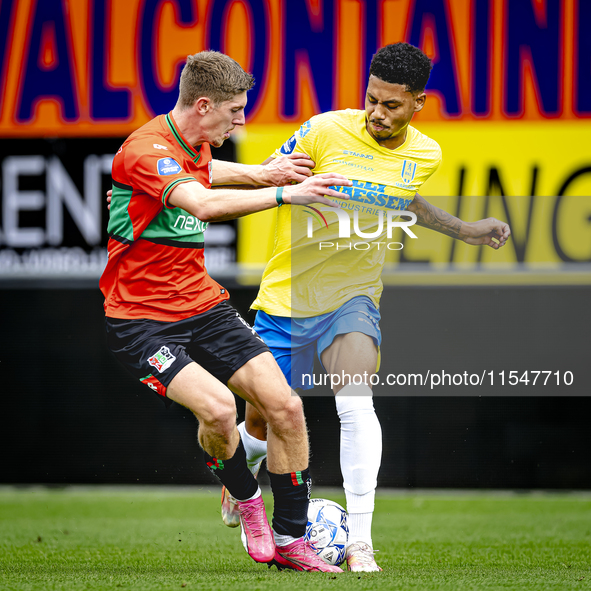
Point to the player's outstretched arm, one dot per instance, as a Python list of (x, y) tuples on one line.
[(491, 232), (276, 173), (218, 205)]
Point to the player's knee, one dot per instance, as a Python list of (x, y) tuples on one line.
[(219, 416), (295, 410), (288, 417)]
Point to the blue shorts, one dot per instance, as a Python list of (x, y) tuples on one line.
[(293, 341)]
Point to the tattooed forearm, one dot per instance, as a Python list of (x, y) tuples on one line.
[(434, 218)]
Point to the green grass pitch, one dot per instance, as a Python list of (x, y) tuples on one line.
[(158, 538)]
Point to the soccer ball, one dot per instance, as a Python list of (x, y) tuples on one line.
[(327, 530)]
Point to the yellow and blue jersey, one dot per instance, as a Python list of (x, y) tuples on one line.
[(306, 276)]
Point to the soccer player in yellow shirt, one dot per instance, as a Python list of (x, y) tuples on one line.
[(320, 291)]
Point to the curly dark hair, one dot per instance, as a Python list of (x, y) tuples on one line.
[(402, 63)]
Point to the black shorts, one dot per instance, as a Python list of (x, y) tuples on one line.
[(219, 340)]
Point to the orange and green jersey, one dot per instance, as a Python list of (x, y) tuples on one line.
[(156, 266)]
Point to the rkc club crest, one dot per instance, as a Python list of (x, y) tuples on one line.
[(409, 169)]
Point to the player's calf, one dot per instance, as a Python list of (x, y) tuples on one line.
[(234, 474), (287, 458), (256, 451)]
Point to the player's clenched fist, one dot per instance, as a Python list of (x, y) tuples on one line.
[(491, 232), (316, 189), (293, 168)]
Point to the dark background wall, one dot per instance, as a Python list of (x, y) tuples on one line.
[(71, 414)]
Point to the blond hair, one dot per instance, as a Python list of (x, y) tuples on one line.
[(214, 75)]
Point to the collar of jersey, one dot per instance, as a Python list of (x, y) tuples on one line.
[(178, 136)]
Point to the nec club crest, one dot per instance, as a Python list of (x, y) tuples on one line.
[(168, 166), (162, 359)]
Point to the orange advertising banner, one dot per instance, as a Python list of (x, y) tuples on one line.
[(104, 67)]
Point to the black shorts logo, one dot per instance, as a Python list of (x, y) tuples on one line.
[(162, 359)]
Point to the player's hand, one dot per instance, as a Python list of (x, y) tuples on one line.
[(491, 232), (316, 190), (109, 195), (284, 170)]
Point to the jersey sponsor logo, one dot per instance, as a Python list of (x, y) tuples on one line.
[(353, 164), (409, 168), (289, 145), (305, 129), (160, 147), (357, 154), (162, 359), (373, 194), (168, 166), (188, 222)]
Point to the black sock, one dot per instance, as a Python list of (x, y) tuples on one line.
[(234, 473), (291, 493)]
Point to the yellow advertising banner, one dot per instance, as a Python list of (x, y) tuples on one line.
[(535, 176)]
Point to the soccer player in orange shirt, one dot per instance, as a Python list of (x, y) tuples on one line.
[(168, 322)]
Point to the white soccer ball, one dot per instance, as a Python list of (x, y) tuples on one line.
[(327, 530)]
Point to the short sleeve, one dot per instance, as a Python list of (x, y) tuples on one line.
[(153, 171), (303, 140)]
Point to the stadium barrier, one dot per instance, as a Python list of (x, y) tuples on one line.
[(72, 415)]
